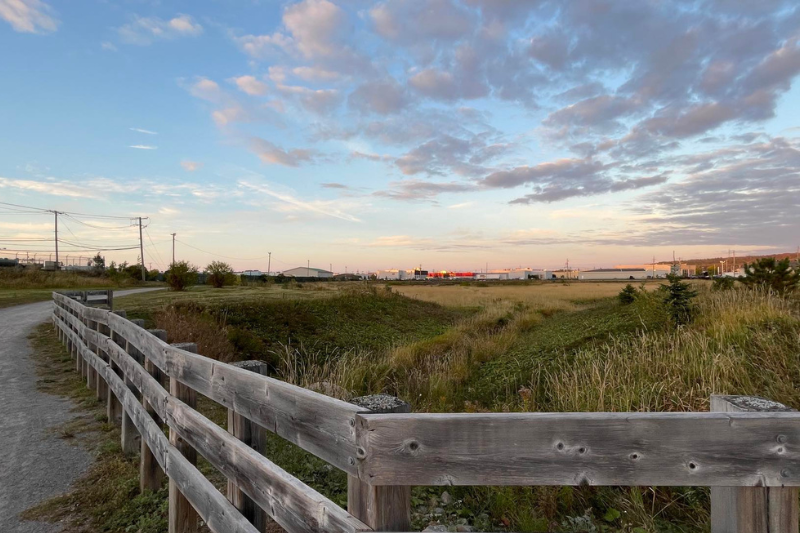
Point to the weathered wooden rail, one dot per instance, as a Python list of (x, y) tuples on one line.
[(748, 452)]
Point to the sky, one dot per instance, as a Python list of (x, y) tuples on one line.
[(452, 134)]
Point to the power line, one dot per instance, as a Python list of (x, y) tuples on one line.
[(86, 215), (161, 264)]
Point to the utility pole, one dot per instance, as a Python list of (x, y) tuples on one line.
[(173, 248), (269, 263), (56, 215), (141, 249)]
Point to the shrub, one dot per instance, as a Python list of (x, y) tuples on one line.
[(628, 294), (722, 284), (220, 274), (180, 275), (769, 273), (678, 299)]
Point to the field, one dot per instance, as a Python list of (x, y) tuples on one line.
[(27, 286), (516, 347)]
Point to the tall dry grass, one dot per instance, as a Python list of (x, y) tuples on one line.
[(40, 279), (554, 296), (743, 342)]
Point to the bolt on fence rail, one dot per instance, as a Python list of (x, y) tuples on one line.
[(748, 451)]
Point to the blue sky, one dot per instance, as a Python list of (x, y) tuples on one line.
[(447, 133)]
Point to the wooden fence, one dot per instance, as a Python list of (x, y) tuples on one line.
[(748, 452)]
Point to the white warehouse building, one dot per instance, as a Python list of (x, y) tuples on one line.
[(614, 273), (305, 272), (394, 274)]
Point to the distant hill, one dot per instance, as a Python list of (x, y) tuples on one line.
[(740, 259)]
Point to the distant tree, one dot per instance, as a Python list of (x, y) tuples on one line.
[(628, 294), (98, 263), (220, 274), (722, 284), (771, 274), (678, 297), (180, 275)]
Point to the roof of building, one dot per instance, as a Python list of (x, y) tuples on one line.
[(320, 270), (616, 270)]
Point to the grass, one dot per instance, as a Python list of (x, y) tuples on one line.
[(525, 347), (106, 497), (19, 287)]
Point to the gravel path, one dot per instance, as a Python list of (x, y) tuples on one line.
[(34, 464)]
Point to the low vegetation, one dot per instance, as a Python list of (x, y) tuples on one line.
[(219, 274), (181, 275), (530, 347), (21, 286)]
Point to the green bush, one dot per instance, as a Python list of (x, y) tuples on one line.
[(220, 274), (769, 273), (678, 299), (180, 275), (722, 284), (628, 294)]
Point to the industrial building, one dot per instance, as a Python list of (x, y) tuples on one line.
[(614, 273), (307, 272), (394, 274), (661, 270)]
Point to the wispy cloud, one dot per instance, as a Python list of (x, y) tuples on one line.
[(147, 132), (318, 207), (143, 147), (191, 166), (145, 30), (52, 187), (28, 16)]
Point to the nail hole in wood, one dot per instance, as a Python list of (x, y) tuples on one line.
[(413, 446), (692, 466)]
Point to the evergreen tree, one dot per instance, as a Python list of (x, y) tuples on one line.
[(771, 274), (678, 299), (628, 294)]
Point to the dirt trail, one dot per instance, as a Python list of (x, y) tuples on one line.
[(34, 463)]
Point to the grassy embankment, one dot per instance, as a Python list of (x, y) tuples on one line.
[(27, 286), (539, 347)]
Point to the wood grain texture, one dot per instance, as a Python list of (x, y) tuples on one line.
[(292, 504), (626, 449), (753, 509), (317, 423), (212, 507), (253, 435), (182, 516)]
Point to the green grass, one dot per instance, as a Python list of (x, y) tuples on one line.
[(106, 498), (508, 354)]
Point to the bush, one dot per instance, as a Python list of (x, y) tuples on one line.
[(180, 275), (769, 273), (220, 274), (722, 284), (628, 294), (678, 299)]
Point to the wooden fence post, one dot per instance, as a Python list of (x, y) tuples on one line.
[(254, 436), (387, 507), (114, 408), (91, 374), (129, 435), (182, 516), (110, 299), (101, 385), (752, 509), (150, 473)]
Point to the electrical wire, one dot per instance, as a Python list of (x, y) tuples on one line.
[(161, 264), (85, 215), (105, 228)]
